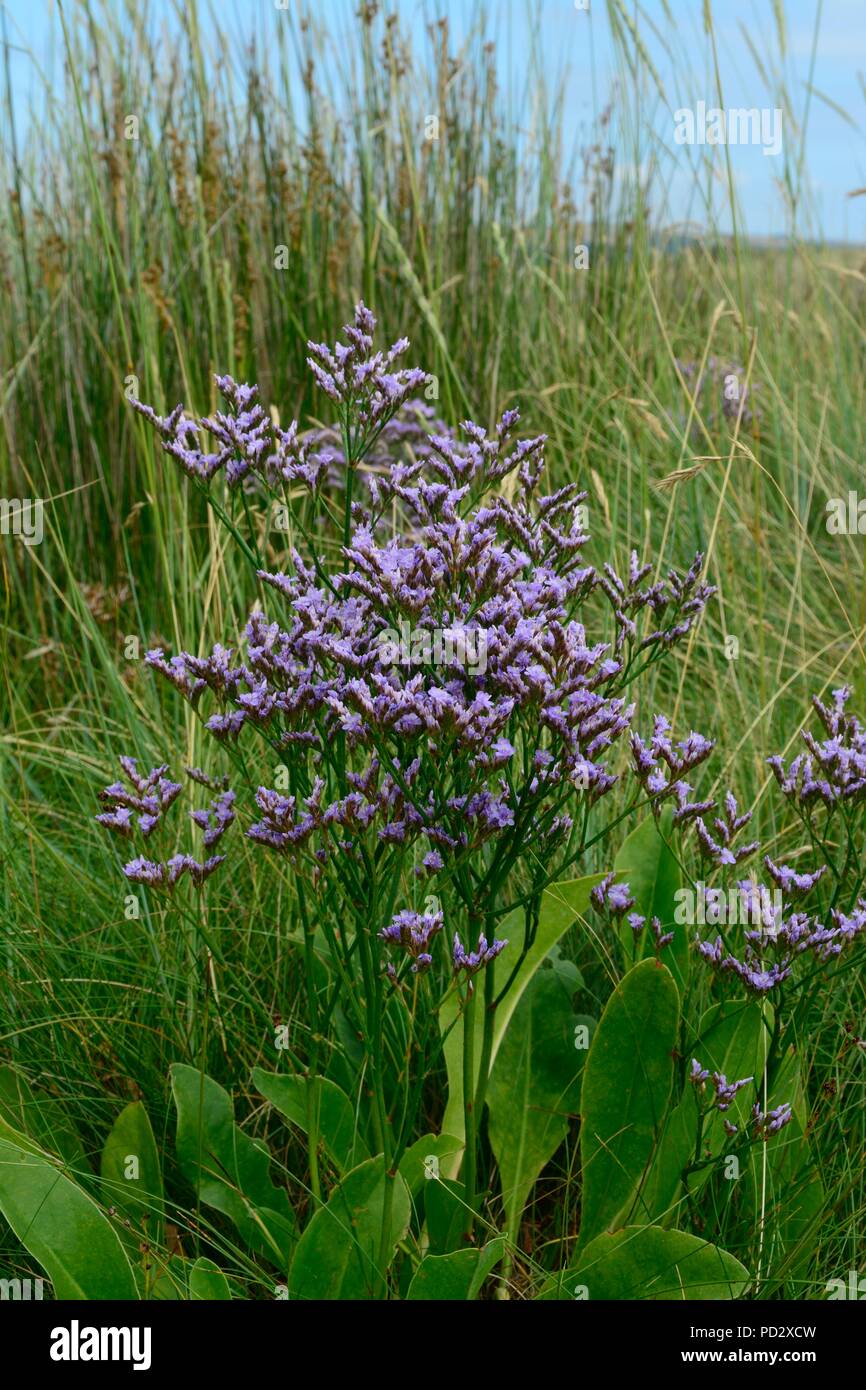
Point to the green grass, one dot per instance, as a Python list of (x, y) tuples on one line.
[(154, 259)]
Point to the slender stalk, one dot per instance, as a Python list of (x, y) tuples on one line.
[(470, 1114)]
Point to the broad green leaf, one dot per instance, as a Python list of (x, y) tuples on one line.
[(62, 1227), (659, 1197), (534, 1090), (207, 1282), (446, 1211), (647, 1262), (565, 969), (561, 905), (626, 1088), (228, 1169), (423, 1160), (131, 1173), (650, 868), (42, 1118), (346, 1062), (335, 1120), (735, 1040), (338, 1255), (451, 1022), (459, 1275)]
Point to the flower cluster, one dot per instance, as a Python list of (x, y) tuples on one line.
[(772, 1122), (367, 387), (615, 900), (781, 936), (686, 596), (724, 1091), (470, 962), (144, 806), (781, 931), (166, 876), (153, 794), (414, 932), (316, 458), (832, 772), (721, 851), (451, 536), (660, 767)]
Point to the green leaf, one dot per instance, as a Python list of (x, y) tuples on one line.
[(561, 905), (228, 1169), (658, 1199), (626, 1087), (651, 870), (647, 1262), (565, 969), (734, 1039), (131, 1173), (534, 1090), (458, 1276), (335, 1120), (338, 1255), (207, 1282), (446, 1211), (417, 1167), (40, 1117), (62, 1227)]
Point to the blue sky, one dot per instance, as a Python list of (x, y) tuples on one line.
[(580, 44)]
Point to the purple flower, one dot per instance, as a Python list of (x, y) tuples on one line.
[(613, 898), (216, 819), (772, 1122), (831, 772), (793, 885), (724, 1091), (660, 766), (413, 932), (727, 1090), (472, 962), (698, 1075), (151, 796), (503, 706), (660, 936), (146, 871), (726, 826)]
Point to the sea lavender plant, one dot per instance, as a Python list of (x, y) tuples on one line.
[(475, 776)]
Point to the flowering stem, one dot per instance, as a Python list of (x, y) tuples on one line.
[(385, 1240), (312, 1066), (347, 520), (490, 1003), (371, 1038), (469, 1112)]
